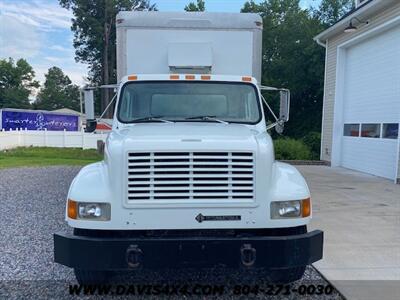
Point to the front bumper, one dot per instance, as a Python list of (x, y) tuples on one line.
[(273, 252)]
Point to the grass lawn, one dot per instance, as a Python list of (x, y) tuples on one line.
[(44, 156)]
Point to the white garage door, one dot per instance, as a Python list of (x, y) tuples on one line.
[(371, 105)]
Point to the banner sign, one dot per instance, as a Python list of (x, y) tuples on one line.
[(38, 121)]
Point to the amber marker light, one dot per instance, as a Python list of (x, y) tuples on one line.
[(72, 209), (174, 77), (205, 77), (247, 78), (190, 77), (306, 207), (132, 77)]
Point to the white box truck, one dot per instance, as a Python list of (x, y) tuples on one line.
[(189, 175)]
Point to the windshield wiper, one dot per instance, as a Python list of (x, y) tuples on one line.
[(207, 118), (152, 119)]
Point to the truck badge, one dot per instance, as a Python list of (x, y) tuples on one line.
[(201, 218)]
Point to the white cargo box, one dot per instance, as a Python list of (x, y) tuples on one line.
[(181, 42)]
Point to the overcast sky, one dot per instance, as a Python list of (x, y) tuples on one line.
[(39, 31)]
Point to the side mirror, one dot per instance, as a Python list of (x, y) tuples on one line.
[(91, 125), (88, 96), (284, 105)]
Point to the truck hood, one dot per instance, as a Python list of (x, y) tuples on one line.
[(187, 132), (146, 145)]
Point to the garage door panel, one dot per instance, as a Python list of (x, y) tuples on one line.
[(374, 156), (371, 95), (372, 79)]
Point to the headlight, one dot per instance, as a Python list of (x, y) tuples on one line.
[(89, 211), (291, 209)]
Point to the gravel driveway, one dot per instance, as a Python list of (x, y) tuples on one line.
[(32, 208)]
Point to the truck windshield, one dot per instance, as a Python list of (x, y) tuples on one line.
[(189, 102)]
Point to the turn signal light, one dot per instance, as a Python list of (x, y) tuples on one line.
[(72, 209), (306, 207)]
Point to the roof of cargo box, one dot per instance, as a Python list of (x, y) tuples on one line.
[(157, 19)]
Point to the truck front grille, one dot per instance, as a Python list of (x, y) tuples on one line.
[(196, 176)]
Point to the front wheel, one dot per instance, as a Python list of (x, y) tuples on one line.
[(91, 277)]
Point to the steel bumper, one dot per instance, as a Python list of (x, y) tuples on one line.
[(274, 252)]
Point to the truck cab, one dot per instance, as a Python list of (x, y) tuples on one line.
[(189, 175)]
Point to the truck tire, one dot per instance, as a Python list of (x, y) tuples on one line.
[(91, 277), (291, 274)]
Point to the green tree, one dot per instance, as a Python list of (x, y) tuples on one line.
[(58, 92), (330, 11), (293, 60), (95, 36), (16, 83), (199, 6)]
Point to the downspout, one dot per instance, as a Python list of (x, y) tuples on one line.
[(323, 100), (397, 176)]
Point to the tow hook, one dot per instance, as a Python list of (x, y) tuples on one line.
[(248, 255), (134, 256)]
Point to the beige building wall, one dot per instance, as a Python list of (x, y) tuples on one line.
[(330, 76)]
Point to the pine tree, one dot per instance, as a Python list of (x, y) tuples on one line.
[(58, 92)]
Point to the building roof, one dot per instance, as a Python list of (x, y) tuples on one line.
[(352, 11), (68, 111), (103, 126), (362, 12)]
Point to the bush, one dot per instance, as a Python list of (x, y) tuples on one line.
[(291, 149), (313, 141)]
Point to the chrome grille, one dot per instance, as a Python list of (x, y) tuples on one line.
[(190, 176)]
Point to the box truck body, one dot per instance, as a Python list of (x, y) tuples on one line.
[(215, 43)]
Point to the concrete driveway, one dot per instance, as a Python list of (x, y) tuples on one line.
[(360, 215)]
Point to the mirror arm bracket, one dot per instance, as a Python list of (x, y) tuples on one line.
[(279, 122), (269, 108)]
